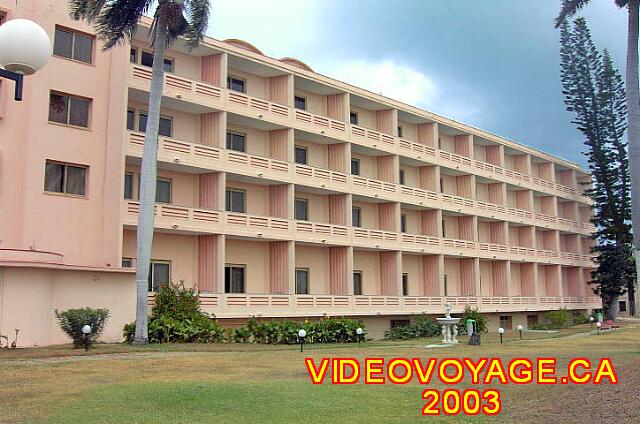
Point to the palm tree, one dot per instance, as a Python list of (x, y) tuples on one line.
[(116, 21), (570, 8)]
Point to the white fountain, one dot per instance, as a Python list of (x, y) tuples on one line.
[(449, 326)]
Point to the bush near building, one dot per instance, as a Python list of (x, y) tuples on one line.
[(71, 322), (420, 326), (329, 330), (469, 313), (562, 318)]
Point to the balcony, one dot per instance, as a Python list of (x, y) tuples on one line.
[(289, 305), (196, 157), (180, 219), (209, 97)]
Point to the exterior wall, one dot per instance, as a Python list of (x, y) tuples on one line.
[(315, 259)]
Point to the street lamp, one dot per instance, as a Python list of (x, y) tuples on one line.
[(520, 330), (599, 325), (24, 49), (501, 332), (86, 330), (359, 333), (301, 335), (591, 319)]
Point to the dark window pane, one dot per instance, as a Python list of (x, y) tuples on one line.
[(399, 131), (79, 112), (355, 167), (83, 48), (146, 59), (402, 177), (355, 217), (168, 65), (405, 284), (353, 118), (128, 186), (131, 119), (58, 108), (300, 103), (302, 210), (357, 283), (236, 142), (159, 274), (301, 155), (76, 178), (235, 201), (54, 177), (165, 127), (403, 223), (163, 191), (133, 55), (302, 281), (127, 262), (235, 84), (63, 43), (234, 279), (142, 122)]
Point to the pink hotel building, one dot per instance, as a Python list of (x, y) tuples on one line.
[(281, 194)]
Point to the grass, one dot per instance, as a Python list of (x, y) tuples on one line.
[(269, 384)]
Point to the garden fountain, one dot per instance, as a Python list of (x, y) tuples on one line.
[(449, 326)]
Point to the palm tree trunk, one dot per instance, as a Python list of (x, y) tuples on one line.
[(148, 186), (633, 122)]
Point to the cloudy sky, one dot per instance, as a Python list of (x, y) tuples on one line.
[(492, 64)]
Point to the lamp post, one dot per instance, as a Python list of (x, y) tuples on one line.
[(520, 330), (599, 325), (86, 330), (24, 49), (359, 333), (591, 319), (501, 332), (301, 335)]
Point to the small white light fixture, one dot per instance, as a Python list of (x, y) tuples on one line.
[(24, 46), (359, 331), (86, 329), (520, 328), (302, 333), (501, 332)]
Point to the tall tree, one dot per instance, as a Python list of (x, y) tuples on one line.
[(594, 92), (570, 8), (116, 21)]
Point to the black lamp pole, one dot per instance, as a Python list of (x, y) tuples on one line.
[(17, 78)]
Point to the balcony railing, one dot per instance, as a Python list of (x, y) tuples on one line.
[(290, 305), (224, 99), (206, 221)]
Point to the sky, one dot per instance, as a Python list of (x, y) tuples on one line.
[(492, 64)]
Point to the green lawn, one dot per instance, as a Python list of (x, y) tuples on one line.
[(269, 384)]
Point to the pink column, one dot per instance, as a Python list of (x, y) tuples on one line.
[(388, 168), (388, 216), (463, 145), (338, 213), (279, 200), (430, 220), (339, 277), (387, 121), (211, 190), (213, 129), (281, 144), (280, 266), (428, 134), (338, 157), (527, 279), (465, 186), (429, 177), (390, 270), (281, 89), (210, 263), (500, 278), (431, 275), (468, 276), (338, 107), (214, 69)]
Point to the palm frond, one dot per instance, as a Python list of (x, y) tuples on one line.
[(119, 20), (198, 16), (568, 9), (87, 10)]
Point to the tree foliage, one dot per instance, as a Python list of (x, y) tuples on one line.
[(594, 91)]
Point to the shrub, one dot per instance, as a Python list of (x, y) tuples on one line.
[(559, 319), (580, 318), (330, 330), (71, 322), (177, 318), (481, 320), (420, 326)]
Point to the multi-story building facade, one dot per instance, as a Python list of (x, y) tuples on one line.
[(281, 193)]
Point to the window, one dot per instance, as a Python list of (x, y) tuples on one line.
[(446, 291), (355, 166), (127, 263), (505, 322), (400, 132), (444, 228), (159, 274), (399, 323), (439, 143), (234, 276), (355, 217), (236, 84), (353, 118), (300, 103), (237, 142), (302, 281), (163, 191), (532, 320), (165, 127), (128, 186), (65, 178), (131, 119), (403, 223), (357, 283), (402, 176), (405, 284), (73, 45), (146, 59), (69, 110), (622, 306), (302, 209), (301, 155), (133, 55), (235, 201), (441, 185)]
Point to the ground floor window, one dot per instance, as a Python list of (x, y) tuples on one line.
[(159, 274), (399, 323), (234, 278), (622, 306), (302, 281), (357, 283), (532, 320), (505, 322)]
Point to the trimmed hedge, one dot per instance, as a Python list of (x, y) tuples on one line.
[(330, 330), (71, 322)]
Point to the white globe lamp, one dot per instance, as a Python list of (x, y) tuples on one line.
[(24, 46)]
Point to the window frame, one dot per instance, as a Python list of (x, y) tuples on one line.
[(399, 131), (360, 274), (230, 283), (402, 176), (139, 113), (297, 97), (306, 154), (69, 98), (150, 279), (140, 52), (166, 180), (65, 180), (235, 133), (304, 201), (359, 213), (132, 175), (230, 79), (508, 319), (403, 223), (353, 118), (227, 202), (308, 272), (129, 260), (405, 284), (355, 161), (73, 33)]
